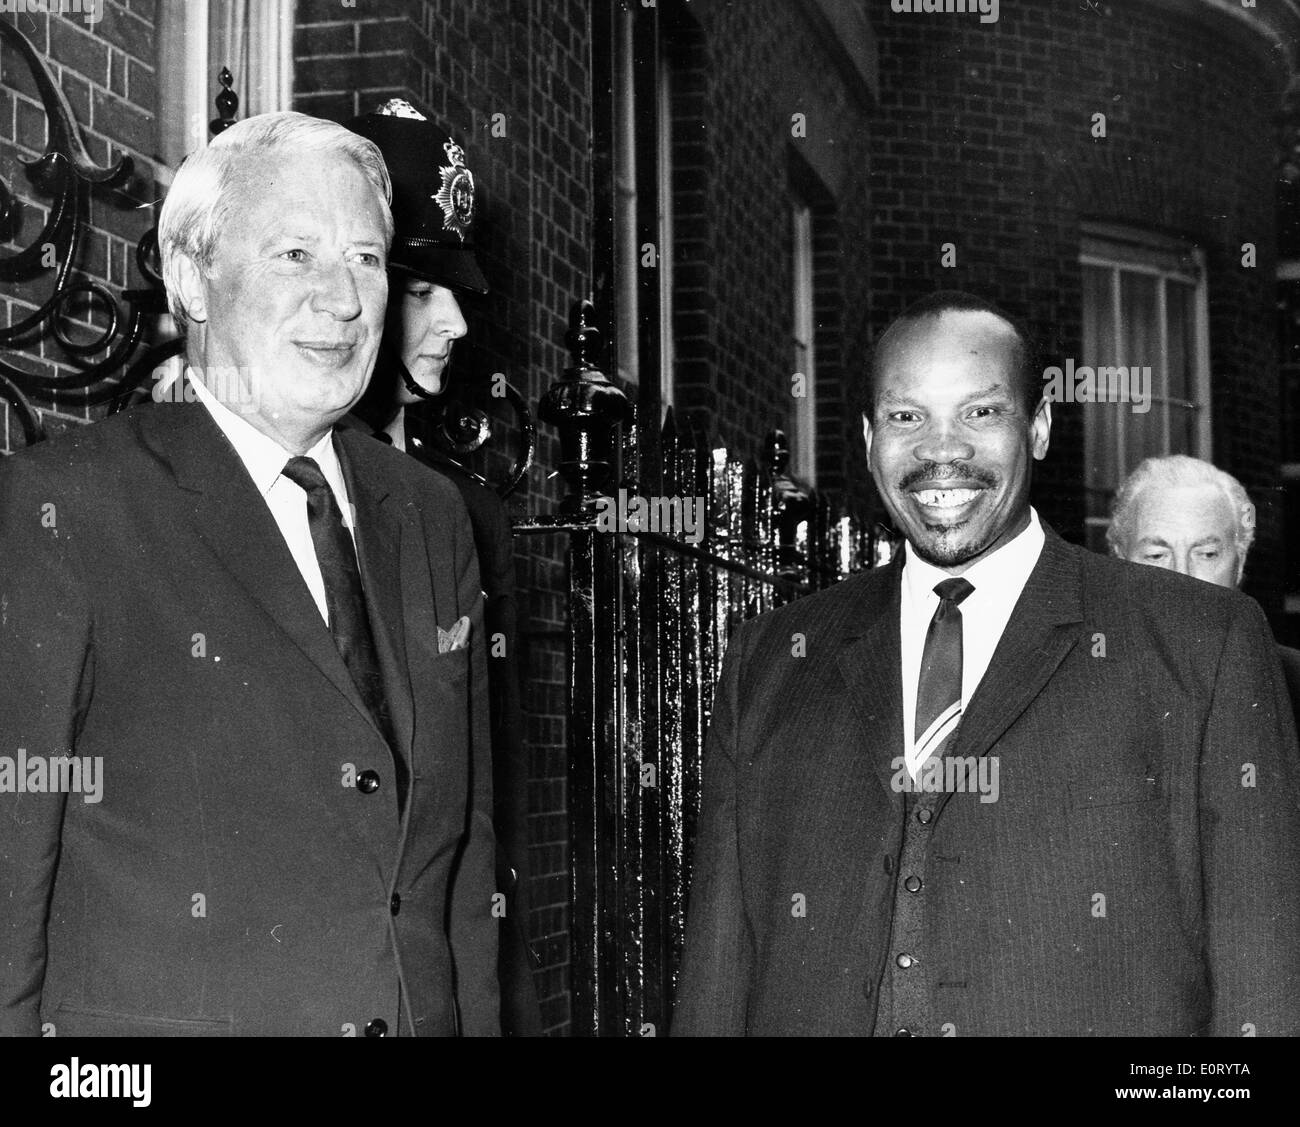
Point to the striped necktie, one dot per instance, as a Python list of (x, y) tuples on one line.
[(938, 692)]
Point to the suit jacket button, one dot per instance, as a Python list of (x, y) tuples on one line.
[(395, 904), (912, 884), (923, 816), (904, 1032), (377, 1028), (905, 960), (368, 782)]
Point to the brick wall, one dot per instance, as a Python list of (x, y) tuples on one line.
[(983, 140), (482, 69), (106, 71), (742, 72)]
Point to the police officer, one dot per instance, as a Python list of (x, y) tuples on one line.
[(431, 264)]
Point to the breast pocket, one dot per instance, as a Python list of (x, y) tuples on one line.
[(450, 666)]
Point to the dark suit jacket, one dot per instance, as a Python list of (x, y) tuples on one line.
[(1125, 704), (233, 879), (494, 544), (1290, 659)]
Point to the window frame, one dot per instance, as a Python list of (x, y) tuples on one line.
[(1122, 250)]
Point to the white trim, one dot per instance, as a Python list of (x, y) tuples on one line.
[(667, 353), (804, 439), (627, 254)]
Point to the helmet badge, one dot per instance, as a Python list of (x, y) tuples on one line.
[(456, 196)]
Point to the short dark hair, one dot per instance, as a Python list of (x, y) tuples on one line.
[(958, 301)]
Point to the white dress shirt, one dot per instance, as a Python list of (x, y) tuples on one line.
[(265, 459), (998, 580)]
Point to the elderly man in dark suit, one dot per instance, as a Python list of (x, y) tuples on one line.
[(1003, 786), (1189, 516), (271, 637)]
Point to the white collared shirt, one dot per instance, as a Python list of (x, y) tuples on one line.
[(265, 459), (998, 580)]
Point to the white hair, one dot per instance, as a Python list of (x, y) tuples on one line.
[(204, 194), (1176, 471)]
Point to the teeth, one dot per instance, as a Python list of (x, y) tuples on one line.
[(945, 498)]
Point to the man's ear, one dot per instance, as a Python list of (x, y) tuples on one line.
[(1042, 429), (193, 288), (867, 433)]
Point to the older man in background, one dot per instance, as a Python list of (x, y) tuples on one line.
[(1189, 516), (270, 635)]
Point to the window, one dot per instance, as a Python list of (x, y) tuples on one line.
[(196, 38), (1144, 307), (803, 410)]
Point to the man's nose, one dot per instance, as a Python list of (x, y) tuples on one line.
[(941, 442), (448, 321), (336, 292)]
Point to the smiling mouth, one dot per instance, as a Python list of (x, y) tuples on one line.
[(945, 498), (333, 353)]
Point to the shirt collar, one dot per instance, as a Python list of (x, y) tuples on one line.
[(263, 457), (1001, 574)]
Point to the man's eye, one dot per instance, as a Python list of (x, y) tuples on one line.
[(369, 258), (419, 294), (1210, 553), (984, 412), (295, 254), (903, 416)]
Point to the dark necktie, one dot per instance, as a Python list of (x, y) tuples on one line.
[(344, 599), (938, 692)]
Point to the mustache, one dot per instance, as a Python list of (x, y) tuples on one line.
[(950, 471)]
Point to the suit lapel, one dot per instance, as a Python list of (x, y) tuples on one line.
[(1041, 631), (379, 555), (233, 520), (870, 662)]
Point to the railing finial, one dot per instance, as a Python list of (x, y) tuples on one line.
[(227, 104)]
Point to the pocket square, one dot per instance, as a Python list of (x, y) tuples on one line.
[(457, 638)]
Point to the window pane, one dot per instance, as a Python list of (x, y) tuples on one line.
[(1182, 344), (1140, 332), (1182, 431), (1142, 433), (1098, 316), (1140, 347), (1099, 426)]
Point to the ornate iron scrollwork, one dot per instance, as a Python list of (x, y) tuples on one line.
[(68, 173)]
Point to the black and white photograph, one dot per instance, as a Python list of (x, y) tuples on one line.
[(650, 520)]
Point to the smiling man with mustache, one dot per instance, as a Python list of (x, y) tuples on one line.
[(1137, 870), (272, 633)]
